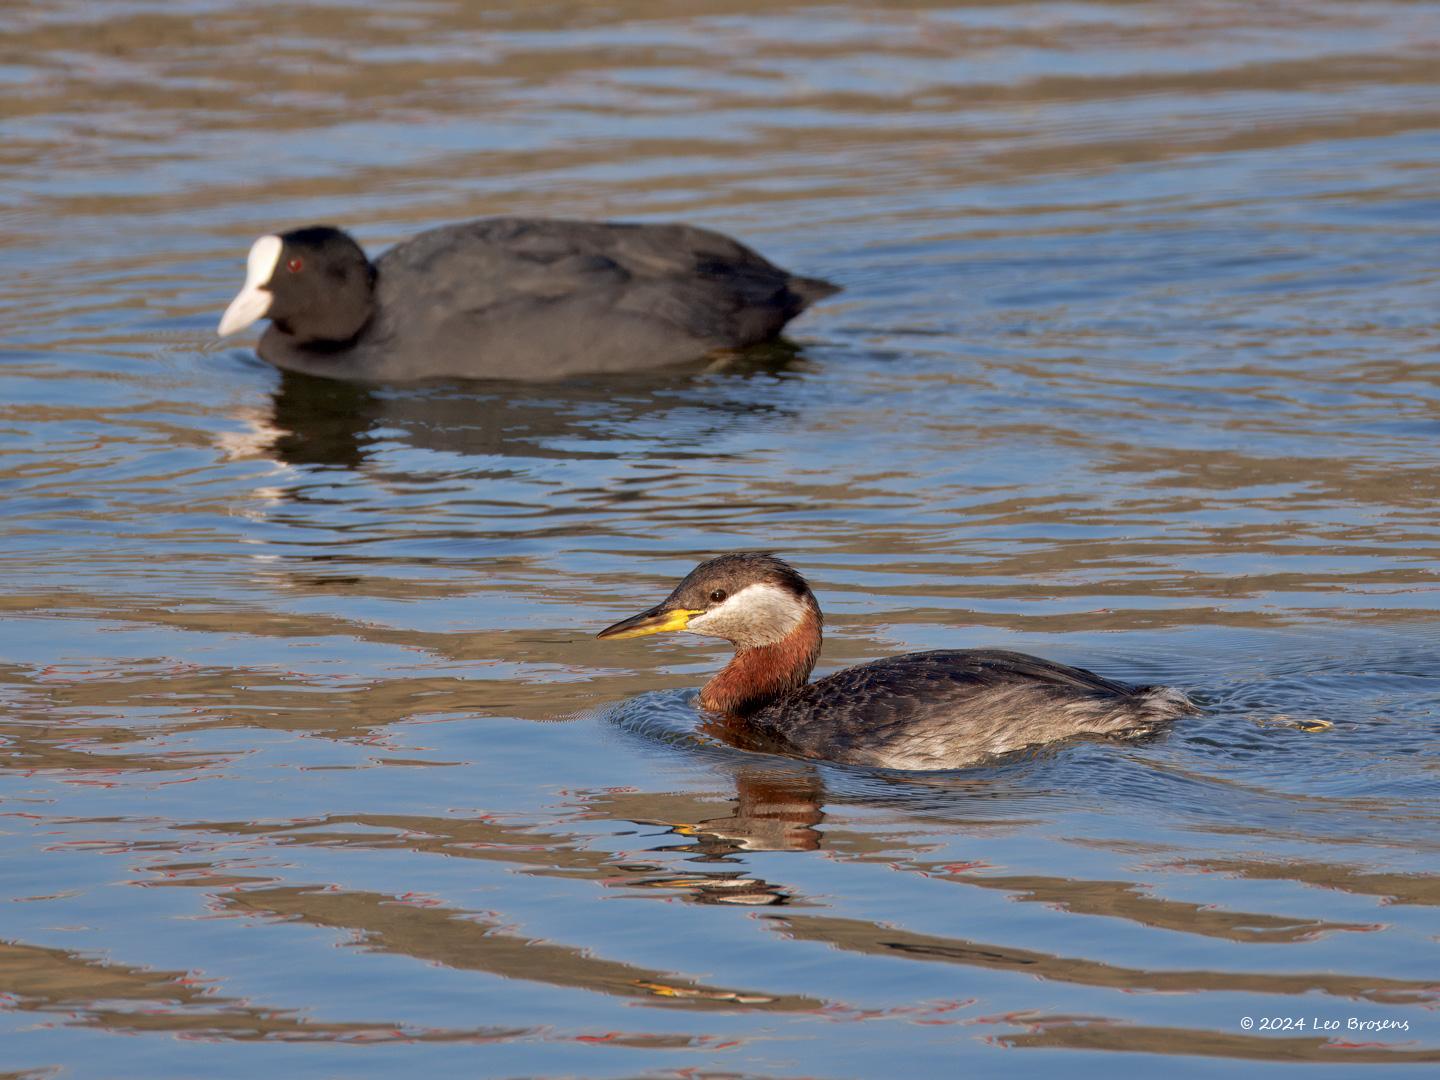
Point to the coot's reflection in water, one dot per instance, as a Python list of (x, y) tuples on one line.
[(316, 421)]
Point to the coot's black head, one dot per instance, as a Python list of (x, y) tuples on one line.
[(749, 598), (315, 284)]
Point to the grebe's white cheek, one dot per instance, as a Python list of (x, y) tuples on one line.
[(760, 614), (253, 300)]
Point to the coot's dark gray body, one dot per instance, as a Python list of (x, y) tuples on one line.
[(534, 299), (950, 708)]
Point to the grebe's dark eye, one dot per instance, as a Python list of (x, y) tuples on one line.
[(295, 265), (718, 596)]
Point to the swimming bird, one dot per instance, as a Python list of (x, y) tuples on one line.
[(923, 711), (511, 298)]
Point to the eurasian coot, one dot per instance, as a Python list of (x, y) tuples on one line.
[(511, 298)]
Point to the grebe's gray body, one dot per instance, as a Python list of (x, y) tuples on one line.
[(924, 711)]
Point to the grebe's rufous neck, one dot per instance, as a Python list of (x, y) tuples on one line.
[(932, 710)]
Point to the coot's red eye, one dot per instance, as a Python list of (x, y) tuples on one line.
[(295, 265)]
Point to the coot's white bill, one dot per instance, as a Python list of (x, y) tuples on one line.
[(254, 299)]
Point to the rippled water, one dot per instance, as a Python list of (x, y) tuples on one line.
[(311, 764)]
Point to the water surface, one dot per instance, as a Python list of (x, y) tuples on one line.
[(311, 765)]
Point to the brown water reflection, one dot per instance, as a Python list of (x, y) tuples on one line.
[(1391, 888), (138, 1002), (1159, 1040), (866, 937), (398, 924)]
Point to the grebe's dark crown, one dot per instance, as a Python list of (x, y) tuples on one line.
[(731, 573)]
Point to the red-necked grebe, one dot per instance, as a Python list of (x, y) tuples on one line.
[(930, 710)]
